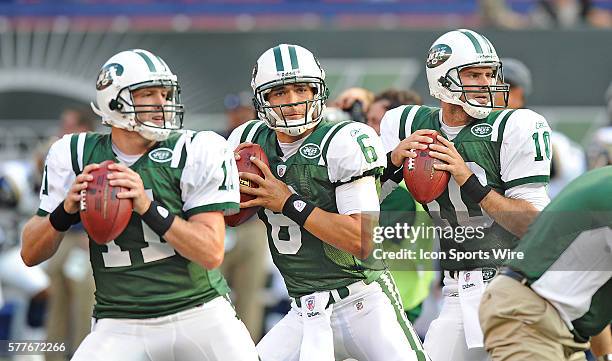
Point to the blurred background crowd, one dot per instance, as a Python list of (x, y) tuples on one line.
[(556, 57)]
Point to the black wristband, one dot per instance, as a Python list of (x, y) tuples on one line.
[(297, 209), (392, 172), (474, 189), (62, 220), (158, 218)]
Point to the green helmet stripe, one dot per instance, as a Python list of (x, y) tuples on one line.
[(488, 43), (147, 60), (473, 40), (163, 63), (293, 56), (278, 58)]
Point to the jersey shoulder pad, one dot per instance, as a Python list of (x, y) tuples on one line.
[(523, 123), (353, 152), (421, 117), (205, 147), (245, 132), (60, 153)]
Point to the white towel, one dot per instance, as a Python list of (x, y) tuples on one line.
[(471, 289), (317, 339)]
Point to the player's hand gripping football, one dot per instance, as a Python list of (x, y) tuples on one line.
[(271, 194), (416, 140), (240, 146), (455, 164), (73, 198), (125, 177)]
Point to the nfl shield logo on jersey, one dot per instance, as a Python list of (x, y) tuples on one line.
[(310, 303), (281, 169), (467, 277)]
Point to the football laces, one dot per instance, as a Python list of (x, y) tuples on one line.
[(82, 204)]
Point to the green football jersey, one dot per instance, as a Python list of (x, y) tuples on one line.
[(335, 153), (566, 253), (508, 148), (139, 275)]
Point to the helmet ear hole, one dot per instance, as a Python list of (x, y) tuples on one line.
[(115, 105), (444, 82)]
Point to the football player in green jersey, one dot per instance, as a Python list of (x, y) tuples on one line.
[(158, 294), (317, 192), (499, 161), (546, 304)]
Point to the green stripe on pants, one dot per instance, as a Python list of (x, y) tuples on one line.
[(390, 290)]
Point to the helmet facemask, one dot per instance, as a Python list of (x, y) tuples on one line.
[(172, 112), (459, 94), (274, 115)]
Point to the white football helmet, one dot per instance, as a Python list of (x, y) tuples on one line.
[(128, 71), (288, 64), (454, 51)]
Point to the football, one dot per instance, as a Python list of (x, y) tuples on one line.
[(244, 164), (104, 216), (424, 182)]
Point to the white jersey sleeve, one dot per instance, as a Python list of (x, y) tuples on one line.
[(58, 176), (358, 196), (390, 126), (526, 150), (209, 181), (237, 134), (355, 151)]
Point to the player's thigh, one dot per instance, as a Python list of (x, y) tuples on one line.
[(282, 342), (102, 345), (445, 338), (374, 328), (213, 333)]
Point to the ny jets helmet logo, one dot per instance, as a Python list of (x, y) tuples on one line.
[(438, 54), (107, 74)]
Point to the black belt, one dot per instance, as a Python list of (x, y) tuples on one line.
[(487, 273), (343, 292), (515, 275)]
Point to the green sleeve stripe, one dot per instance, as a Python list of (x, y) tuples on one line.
[(74, 153), (502, 125), (333, 132), (211, 208), (41, 213), (147, 60), (402, 125), (473, 39), (255, 131), (527, 180), (45, 189), (293, 56), (246, 130), (183, 160), (278, 58)]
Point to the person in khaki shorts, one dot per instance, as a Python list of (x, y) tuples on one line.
[(546, 304)]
